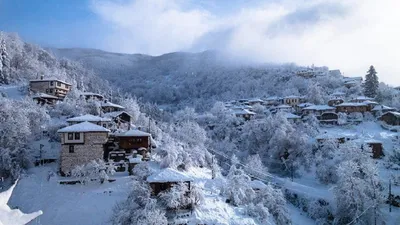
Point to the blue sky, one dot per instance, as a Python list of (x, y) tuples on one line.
[(57, 23), (346, 34)]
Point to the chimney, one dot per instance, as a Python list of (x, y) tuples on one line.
[(41, 77)]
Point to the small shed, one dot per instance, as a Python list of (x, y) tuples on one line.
[(165, 179), (377, 148)]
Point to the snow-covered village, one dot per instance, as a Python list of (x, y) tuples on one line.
[(179, 119)]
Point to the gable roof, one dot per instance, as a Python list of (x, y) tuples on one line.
[(89, 118), (110, 104), (168, 175), (382, 107), (242, 112), (133, 133), (319, 107), (115, 114), (83, 128), (352, 104), (50, 79)]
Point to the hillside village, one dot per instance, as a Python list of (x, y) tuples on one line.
[(286, 158)]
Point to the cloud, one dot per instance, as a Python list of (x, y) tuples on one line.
[(345, 34)]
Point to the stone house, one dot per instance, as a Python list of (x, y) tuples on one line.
[(104, 122), (292, 100), (80, 144), (51, 86)]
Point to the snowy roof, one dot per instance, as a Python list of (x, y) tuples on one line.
[(256, 184), (255, 100), (396, 114), (91, 94), (372, 141), (137, 159), (89, 118), (83, 127), (168, 175), (363, 98), (50, 79), (292, 96), (133, 133), (338, 93), (381, 108), (43, 95), (114, 114), (242, 112), (272, 98), (110, 104), (352, 104), (329, 136), (283, 107), (369, 102), (319, 107), (291, 116), (303, 105)]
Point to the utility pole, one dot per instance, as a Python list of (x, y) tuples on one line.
[(390, 195)]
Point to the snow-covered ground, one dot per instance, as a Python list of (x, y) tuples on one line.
[(67, 204), (13, 91)]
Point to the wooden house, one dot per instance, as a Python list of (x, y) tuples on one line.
[(122, 119), (352, 107), (317, 110), (107, 107), (391, 118), (104, 122), (329, 118), (50, 86), (335, 101), (292, 100), (135, 140), (93, 96), (43, 99), (80, 144), (299, 108), (164, 179)]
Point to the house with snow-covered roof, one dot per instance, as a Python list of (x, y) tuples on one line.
[(338, 94), (391, 118), (352, 107), (104, 122), (165, 178), (42, 98), (93, 96), (317, 110), (107, 107), (51, 86), (135, 140), (292, 100), (80, 144), (242, 113), (361, 99), (122, 119), (335, 101), (382, 109)]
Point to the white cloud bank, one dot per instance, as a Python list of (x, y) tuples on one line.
[(345, 34)]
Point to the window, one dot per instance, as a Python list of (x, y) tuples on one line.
[(71, 149), (58, 84), (77, 136), (51, 83), (51, 90), (70, 136), (105, 125), (47, 90)]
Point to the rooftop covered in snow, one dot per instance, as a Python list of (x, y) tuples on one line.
[(83, 128), (133, 133), (89, 118), (110, 104), (43, 95), (50, 79), (168, 175), (319, 107), (352, 104), (382, 108)]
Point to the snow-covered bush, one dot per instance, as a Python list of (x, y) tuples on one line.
[(320, 211), (141, 171), (237, 189), (138, 208), (255, 168), (95, 170), (259, 212), (176, 197), (342, 118)]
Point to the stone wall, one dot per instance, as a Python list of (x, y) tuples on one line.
[(92, 149)]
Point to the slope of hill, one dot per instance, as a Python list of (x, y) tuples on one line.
[(195, 79)]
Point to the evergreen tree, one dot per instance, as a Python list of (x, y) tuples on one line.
[(371, 84)]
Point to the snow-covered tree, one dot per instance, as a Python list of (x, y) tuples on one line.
[(255, 168), (371, 83), (95, 170), (315, 94), (139, 208), (175, 197), (4, 62), (238, 189)]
